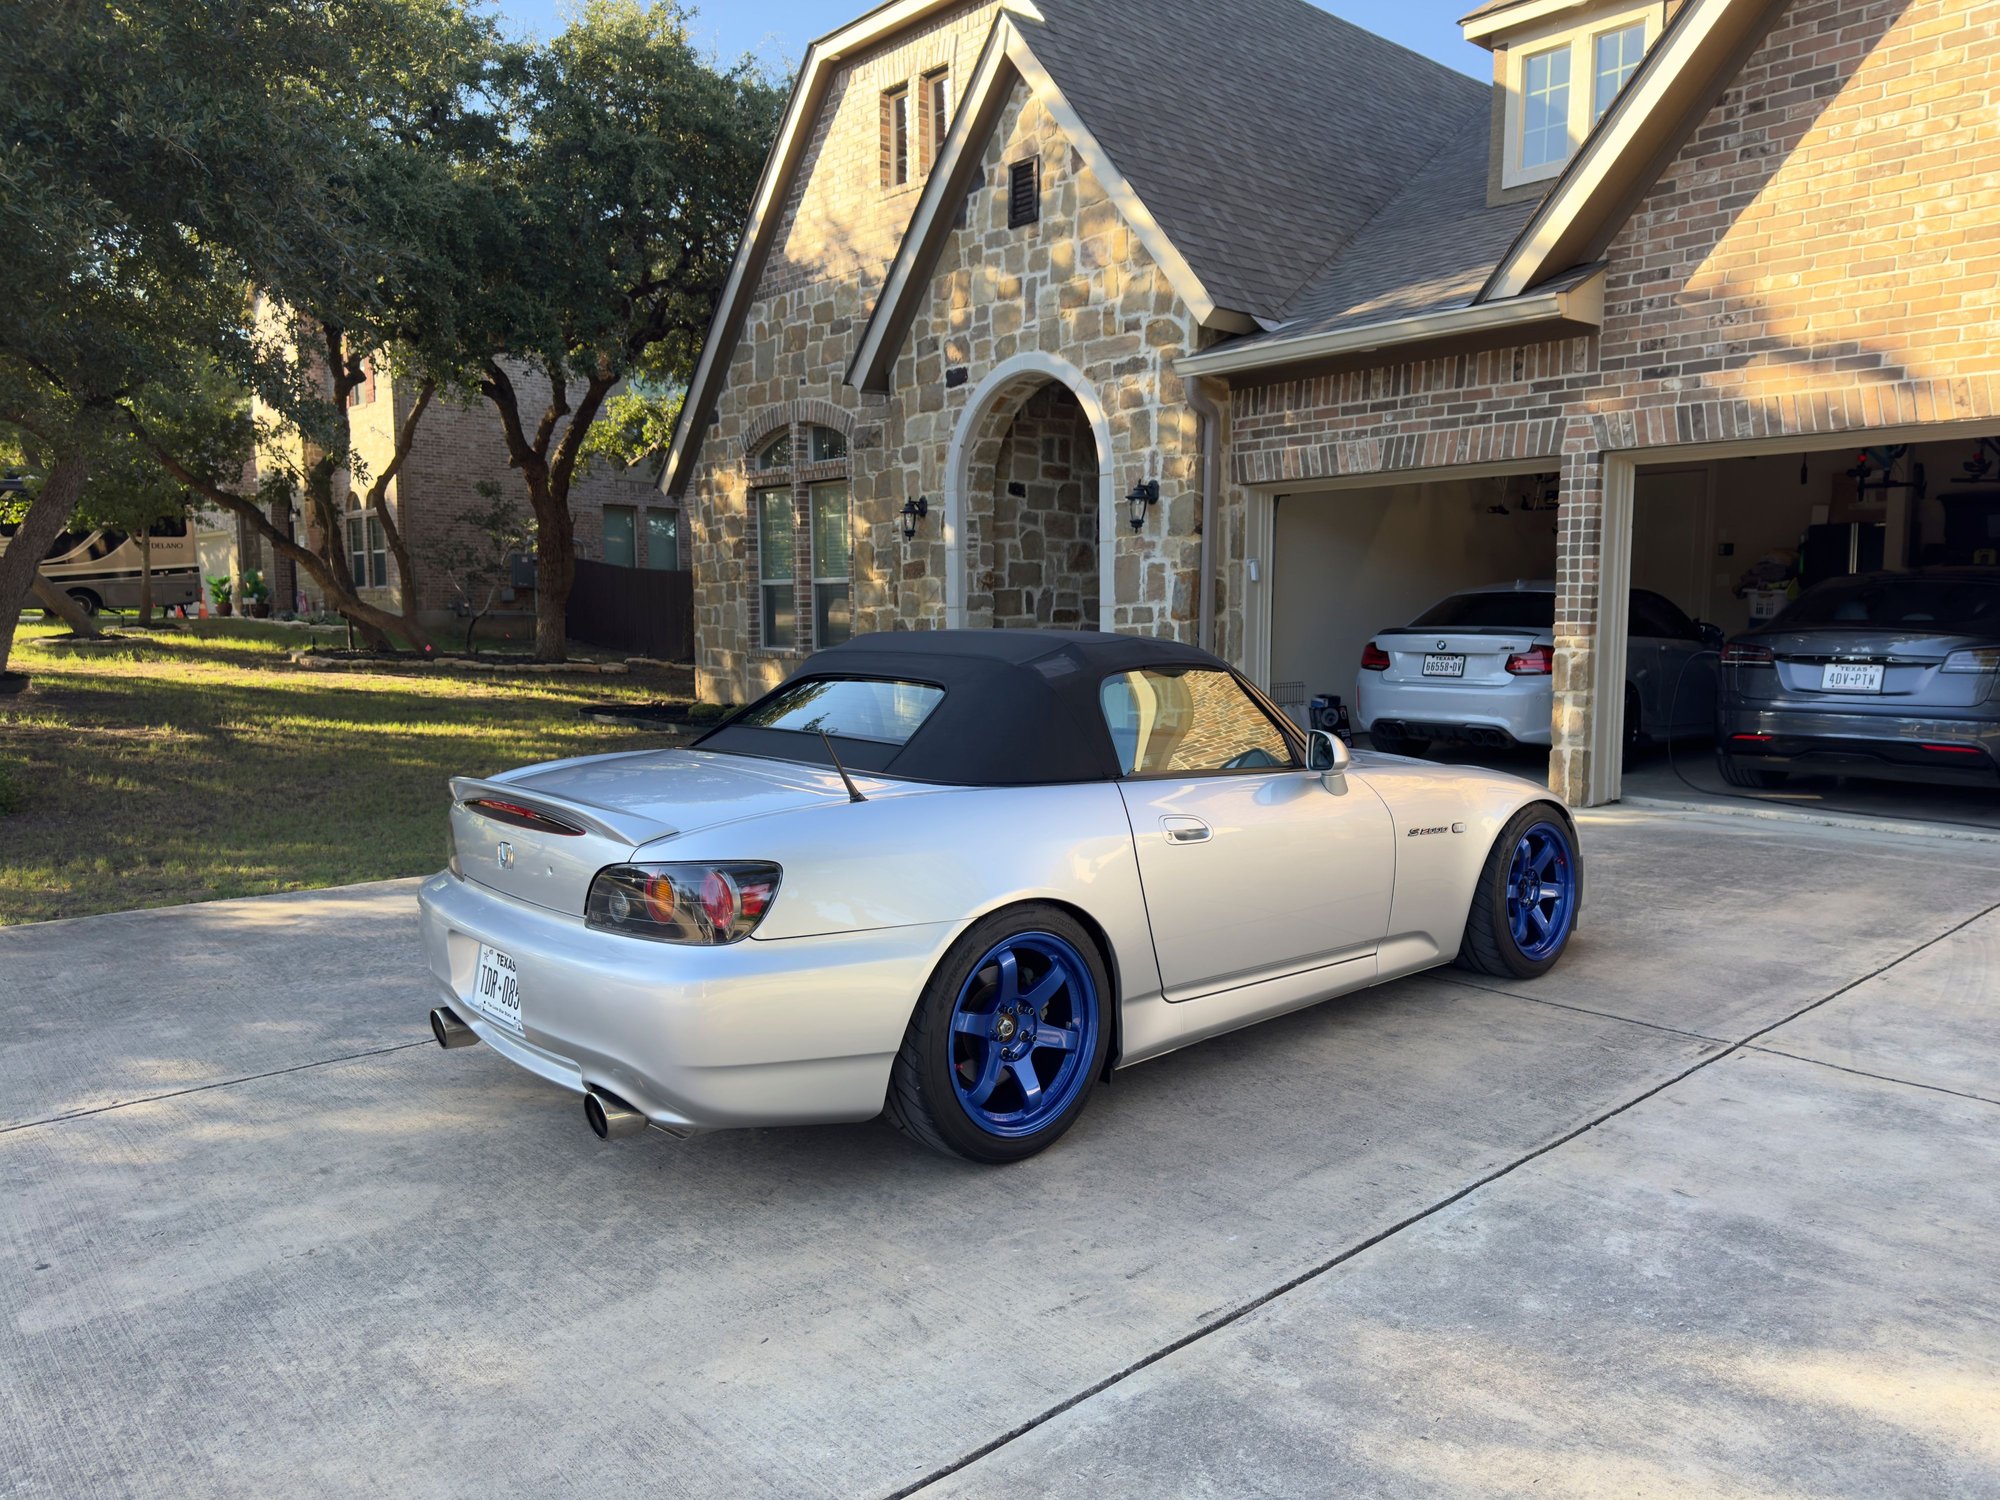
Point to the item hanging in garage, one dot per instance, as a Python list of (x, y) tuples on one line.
[(1330, 714)]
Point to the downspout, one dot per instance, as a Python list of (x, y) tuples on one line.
[(1208, 443)]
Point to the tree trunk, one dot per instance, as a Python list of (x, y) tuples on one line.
[(555, 572), (66, 609), (146, 576), (20, 564)]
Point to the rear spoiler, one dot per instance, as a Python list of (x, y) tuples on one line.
[(604, 822), (1436, 630)]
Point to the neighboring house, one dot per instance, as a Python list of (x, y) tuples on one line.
[(620, 517), (1377, 331)]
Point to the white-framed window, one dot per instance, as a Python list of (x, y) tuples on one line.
[(832, 563), (777, 558), (367, 550), (1614, 58), (896, 136), (1561, 79)]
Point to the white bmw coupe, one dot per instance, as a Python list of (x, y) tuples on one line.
[(958, 876)]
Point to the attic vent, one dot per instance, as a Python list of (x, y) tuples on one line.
[(1024, 192)]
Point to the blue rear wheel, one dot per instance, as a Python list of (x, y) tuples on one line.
[(1011, 1034), (1022, 1032)]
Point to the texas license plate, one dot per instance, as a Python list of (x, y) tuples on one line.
[(496, 989), (1443, 666), (1851, 677)]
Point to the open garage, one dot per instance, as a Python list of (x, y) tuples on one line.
[(1719, 541)]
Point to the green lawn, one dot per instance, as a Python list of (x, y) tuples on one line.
[(198, 764)]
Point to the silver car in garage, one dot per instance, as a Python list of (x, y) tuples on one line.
[(1890, 675), (957, 877), (1477, 668)]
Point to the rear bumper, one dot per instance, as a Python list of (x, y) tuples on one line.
[(787, 1032), (1893, 747), (1448, 711)]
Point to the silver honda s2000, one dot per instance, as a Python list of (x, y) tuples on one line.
[(958, 876)]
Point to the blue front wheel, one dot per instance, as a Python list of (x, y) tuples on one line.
[(1524, 908)]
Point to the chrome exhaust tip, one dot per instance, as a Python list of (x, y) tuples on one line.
[(450, 1031), (610, 1117)]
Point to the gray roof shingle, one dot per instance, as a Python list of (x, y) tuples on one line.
[(1263, 135)]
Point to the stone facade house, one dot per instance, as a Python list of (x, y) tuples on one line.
[(1011, 265)]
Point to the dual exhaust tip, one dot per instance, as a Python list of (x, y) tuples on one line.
[(609, 1117)]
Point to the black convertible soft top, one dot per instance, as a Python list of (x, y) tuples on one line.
[(1020, 707)]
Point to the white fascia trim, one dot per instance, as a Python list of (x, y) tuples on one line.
[(1580, 304), (1514, 15), (1604, 153), (1007, 55), (765, 209)]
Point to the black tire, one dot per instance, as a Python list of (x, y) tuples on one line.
[(1755, 778), (1389, 742), (1635, 729), (86, 601), (923, 1104), (1489, 946)]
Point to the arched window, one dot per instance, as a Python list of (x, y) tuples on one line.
[(799, 484), (775, 454)]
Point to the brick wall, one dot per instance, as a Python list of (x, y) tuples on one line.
[(1043, 528), (1821, 257)]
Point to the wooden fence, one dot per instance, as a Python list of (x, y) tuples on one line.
[(646, 611)]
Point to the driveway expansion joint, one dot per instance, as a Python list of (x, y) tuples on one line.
[(1721, 1050), (1908, 1083), (219, 1083)]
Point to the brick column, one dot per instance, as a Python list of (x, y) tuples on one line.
[(1579, 543)]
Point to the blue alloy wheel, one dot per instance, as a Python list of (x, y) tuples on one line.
[(1023, 1033), (1541, 892)]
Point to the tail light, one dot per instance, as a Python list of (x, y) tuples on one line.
[(1536, 661), (1743, 654), (706, 905), (1374, 658), (516, 816), (1978, 659)]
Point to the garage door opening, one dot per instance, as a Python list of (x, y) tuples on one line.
[(1858, 589), (1427, 609)]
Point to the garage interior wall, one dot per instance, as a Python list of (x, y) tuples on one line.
[(1684, 515), (1347, 563)]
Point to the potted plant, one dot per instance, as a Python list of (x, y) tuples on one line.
[(219, 592), (256, 595)]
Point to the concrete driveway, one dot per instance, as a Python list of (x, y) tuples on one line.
[(1712, 1209)]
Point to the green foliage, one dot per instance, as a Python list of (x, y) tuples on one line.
[(219, 589), (637, 423)]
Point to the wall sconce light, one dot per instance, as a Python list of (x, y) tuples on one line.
[(913, 512), (1143, 495)]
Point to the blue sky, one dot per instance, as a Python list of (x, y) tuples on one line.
[(778, 31)]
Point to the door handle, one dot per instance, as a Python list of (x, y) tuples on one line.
[(1184, 830)]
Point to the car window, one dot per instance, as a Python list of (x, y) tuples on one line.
[(1188, 720), (1657, 616), (850, 708), (1950, 604), (1516, 609)]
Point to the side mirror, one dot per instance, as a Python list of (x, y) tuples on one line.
[(1711, 635), (1328, 754)]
